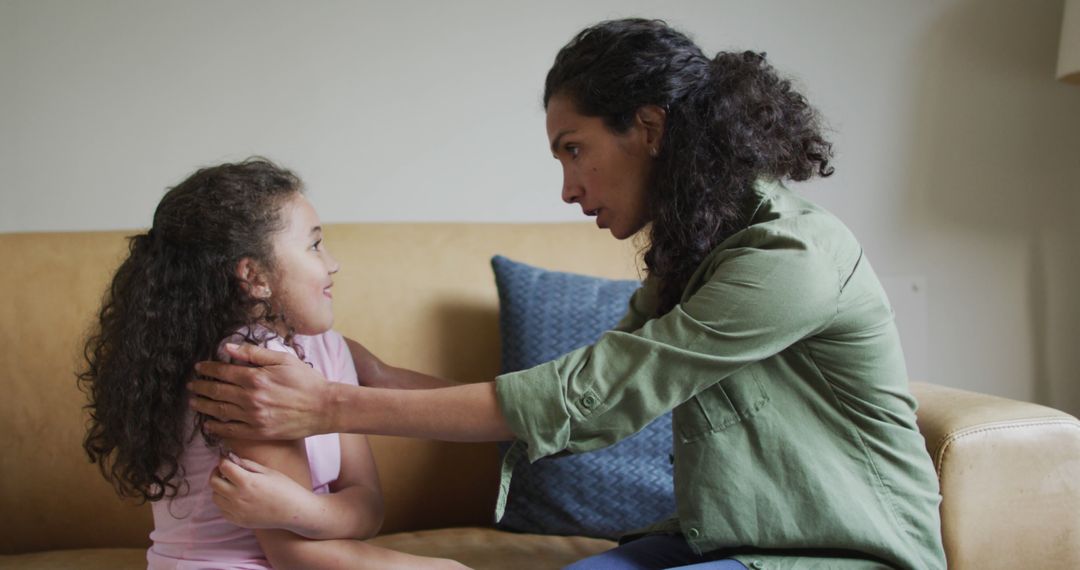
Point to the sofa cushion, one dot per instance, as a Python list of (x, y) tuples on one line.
[(486, 548), (479, 548), (81, 558), (543, 315)]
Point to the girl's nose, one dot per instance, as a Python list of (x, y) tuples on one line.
[(332, 265)]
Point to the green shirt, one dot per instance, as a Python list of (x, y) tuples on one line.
[(795, 444)]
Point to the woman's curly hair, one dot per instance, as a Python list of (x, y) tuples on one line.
[(170, 304), (730, 121)]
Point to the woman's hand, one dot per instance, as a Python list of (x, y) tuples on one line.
[(253, 496), (278, 397)]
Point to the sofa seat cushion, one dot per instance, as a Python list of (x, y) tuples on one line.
[(491, 549), (479, 548), (83, 559)]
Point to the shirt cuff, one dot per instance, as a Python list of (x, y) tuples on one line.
[(534, 405)]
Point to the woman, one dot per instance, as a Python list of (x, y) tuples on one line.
[(760, 323)]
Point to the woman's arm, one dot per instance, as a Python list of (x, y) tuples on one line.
[(465, 412), (283, 398)]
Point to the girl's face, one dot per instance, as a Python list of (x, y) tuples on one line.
[(606, 173), (303, 270)]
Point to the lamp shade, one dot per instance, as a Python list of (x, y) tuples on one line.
[(1068, 69)]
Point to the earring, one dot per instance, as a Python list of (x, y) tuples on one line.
[(653, 152)]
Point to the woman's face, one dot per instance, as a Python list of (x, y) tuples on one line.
[(607, 173), (303, 270)]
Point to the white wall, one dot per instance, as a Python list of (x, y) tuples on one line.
[(958, 153)]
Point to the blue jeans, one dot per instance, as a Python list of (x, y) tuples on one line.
[(655, 552)]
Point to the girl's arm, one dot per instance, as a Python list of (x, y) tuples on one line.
[(253, 496), (376, 373), (354, 507), (285, 549)]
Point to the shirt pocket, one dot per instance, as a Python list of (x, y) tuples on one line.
[(730, 401)]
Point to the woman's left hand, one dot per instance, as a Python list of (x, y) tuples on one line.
[(276, 396), (252, 495)]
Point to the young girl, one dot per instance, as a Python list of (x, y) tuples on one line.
[(235, 255)]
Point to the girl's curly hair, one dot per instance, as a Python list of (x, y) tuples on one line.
[(170, 304), (731, 121)]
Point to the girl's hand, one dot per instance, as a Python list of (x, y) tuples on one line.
[(277, 397), (254, 496)]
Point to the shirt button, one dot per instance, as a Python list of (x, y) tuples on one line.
[(693, 533), (588, 401)]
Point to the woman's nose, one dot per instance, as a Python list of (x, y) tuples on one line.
[(571, 191)]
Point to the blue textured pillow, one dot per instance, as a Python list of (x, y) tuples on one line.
[(543, 315)]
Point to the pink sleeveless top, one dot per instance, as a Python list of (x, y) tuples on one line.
[(189, 530)]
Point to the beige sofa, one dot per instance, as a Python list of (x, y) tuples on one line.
[(422, 295)]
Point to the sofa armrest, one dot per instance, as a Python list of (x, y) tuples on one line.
[(1010, 479)]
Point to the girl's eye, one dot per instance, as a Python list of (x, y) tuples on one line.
[(316, 245), (572, 150)]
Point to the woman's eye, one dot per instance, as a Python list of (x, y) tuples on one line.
[(316, 245), (572, 150)]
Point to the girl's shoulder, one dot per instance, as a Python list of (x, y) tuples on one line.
[(326, 352), (328, 344), (330, 339), (258, 336), (329, 353)]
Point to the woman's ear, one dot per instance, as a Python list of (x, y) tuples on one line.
[(254, 278), (650, 119)]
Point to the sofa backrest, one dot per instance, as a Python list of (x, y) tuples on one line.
[(418, 295)]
